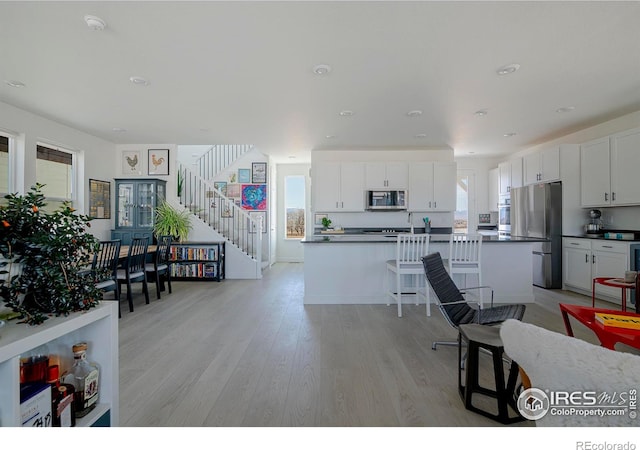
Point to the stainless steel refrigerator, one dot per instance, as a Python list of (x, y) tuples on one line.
[(536, 212)]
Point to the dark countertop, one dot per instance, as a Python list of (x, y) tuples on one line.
[(391, 239), (597, 237)]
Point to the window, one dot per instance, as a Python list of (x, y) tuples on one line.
[(5, 141), (55, 169), (294, 196), (461, 218)]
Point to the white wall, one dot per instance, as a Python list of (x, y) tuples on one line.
[(95, 156), (290, 250)]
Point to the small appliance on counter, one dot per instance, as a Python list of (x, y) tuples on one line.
[(594, 227)]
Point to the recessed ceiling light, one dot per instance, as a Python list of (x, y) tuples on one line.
[(346, 113), (565, 109), (420, 136), (292, 157), (506, 70), (481, 113), (509, 134), (140, 81), (118, 130), (322, 69), (414, 113), (95, 23), (14, 83), (330, 136)]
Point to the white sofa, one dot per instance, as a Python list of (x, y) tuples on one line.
[(558, 363)]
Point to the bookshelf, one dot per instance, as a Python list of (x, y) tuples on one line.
[(198, 261)]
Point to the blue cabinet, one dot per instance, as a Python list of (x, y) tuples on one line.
[(136, 202)]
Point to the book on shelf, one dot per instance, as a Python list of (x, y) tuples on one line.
[(619, 321)]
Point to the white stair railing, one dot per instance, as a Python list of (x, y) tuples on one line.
[(220, 212), (218, 158)]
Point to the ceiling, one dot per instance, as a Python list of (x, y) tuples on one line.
[(242, 72)]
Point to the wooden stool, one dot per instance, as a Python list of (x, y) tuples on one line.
[(619, 283), (487, 337)]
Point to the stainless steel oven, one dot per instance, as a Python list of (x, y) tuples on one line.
[(504, 215)]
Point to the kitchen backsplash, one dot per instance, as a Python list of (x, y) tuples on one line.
[(619, 218), (390, 219)]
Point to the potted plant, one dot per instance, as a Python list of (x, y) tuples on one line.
[(326, 223), (52, 251), (171, 222)]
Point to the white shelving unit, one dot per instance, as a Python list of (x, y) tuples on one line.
[(98, 327)]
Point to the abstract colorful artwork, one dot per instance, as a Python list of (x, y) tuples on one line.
[(254, 196)]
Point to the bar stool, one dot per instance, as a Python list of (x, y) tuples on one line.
[(465, 257), (410, 248), (488, 338)]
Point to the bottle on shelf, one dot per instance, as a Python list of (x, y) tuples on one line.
[(83, 376)]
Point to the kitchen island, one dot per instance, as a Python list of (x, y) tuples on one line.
[(351, 268)]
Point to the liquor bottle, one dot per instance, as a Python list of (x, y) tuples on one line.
[(65, 412), (84, 377)]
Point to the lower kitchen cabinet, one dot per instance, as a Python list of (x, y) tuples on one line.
[(586, 259)]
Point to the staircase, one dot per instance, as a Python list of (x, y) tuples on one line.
[(197, 192)]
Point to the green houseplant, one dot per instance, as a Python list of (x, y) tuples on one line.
[(171, 222), (52, 251)]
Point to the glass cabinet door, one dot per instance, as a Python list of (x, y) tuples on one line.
[(146, 203), (126, 205)]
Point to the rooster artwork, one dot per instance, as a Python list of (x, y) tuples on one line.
[(158, 162), (130, 161)]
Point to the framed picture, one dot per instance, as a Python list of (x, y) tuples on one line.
[(221, 186), (158, 161), (244, 176), (233, 190), (254, 196), (131, 162), (259, 172), (260, 218), (317, 218), (227, 209), (99, 199)]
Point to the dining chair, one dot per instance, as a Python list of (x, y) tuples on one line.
[(104, 268), (465, 257), (160, 268), (410, 248), (132, 270)]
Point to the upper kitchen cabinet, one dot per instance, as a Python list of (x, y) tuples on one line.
[(393, 175), (595, 173), (608, 167), (338, 187), (510, 175), (542, 167), (432, 186)]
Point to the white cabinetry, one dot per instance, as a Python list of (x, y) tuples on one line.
[(595, 173), (338, 186), (586, 259), (576, 263), (608, 170), (432, 186), (386, 175), (510, 175), (98, 327), (494, 189), (542, 166)]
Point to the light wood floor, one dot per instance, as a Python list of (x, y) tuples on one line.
[(249, 353)]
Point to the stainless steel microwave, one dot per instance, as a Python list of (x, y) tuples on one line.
[(386, 200)]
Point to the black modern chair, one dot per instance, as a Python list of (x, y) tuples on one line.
[(104, 268), (160, 269), (455, 308), (132, 270)]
